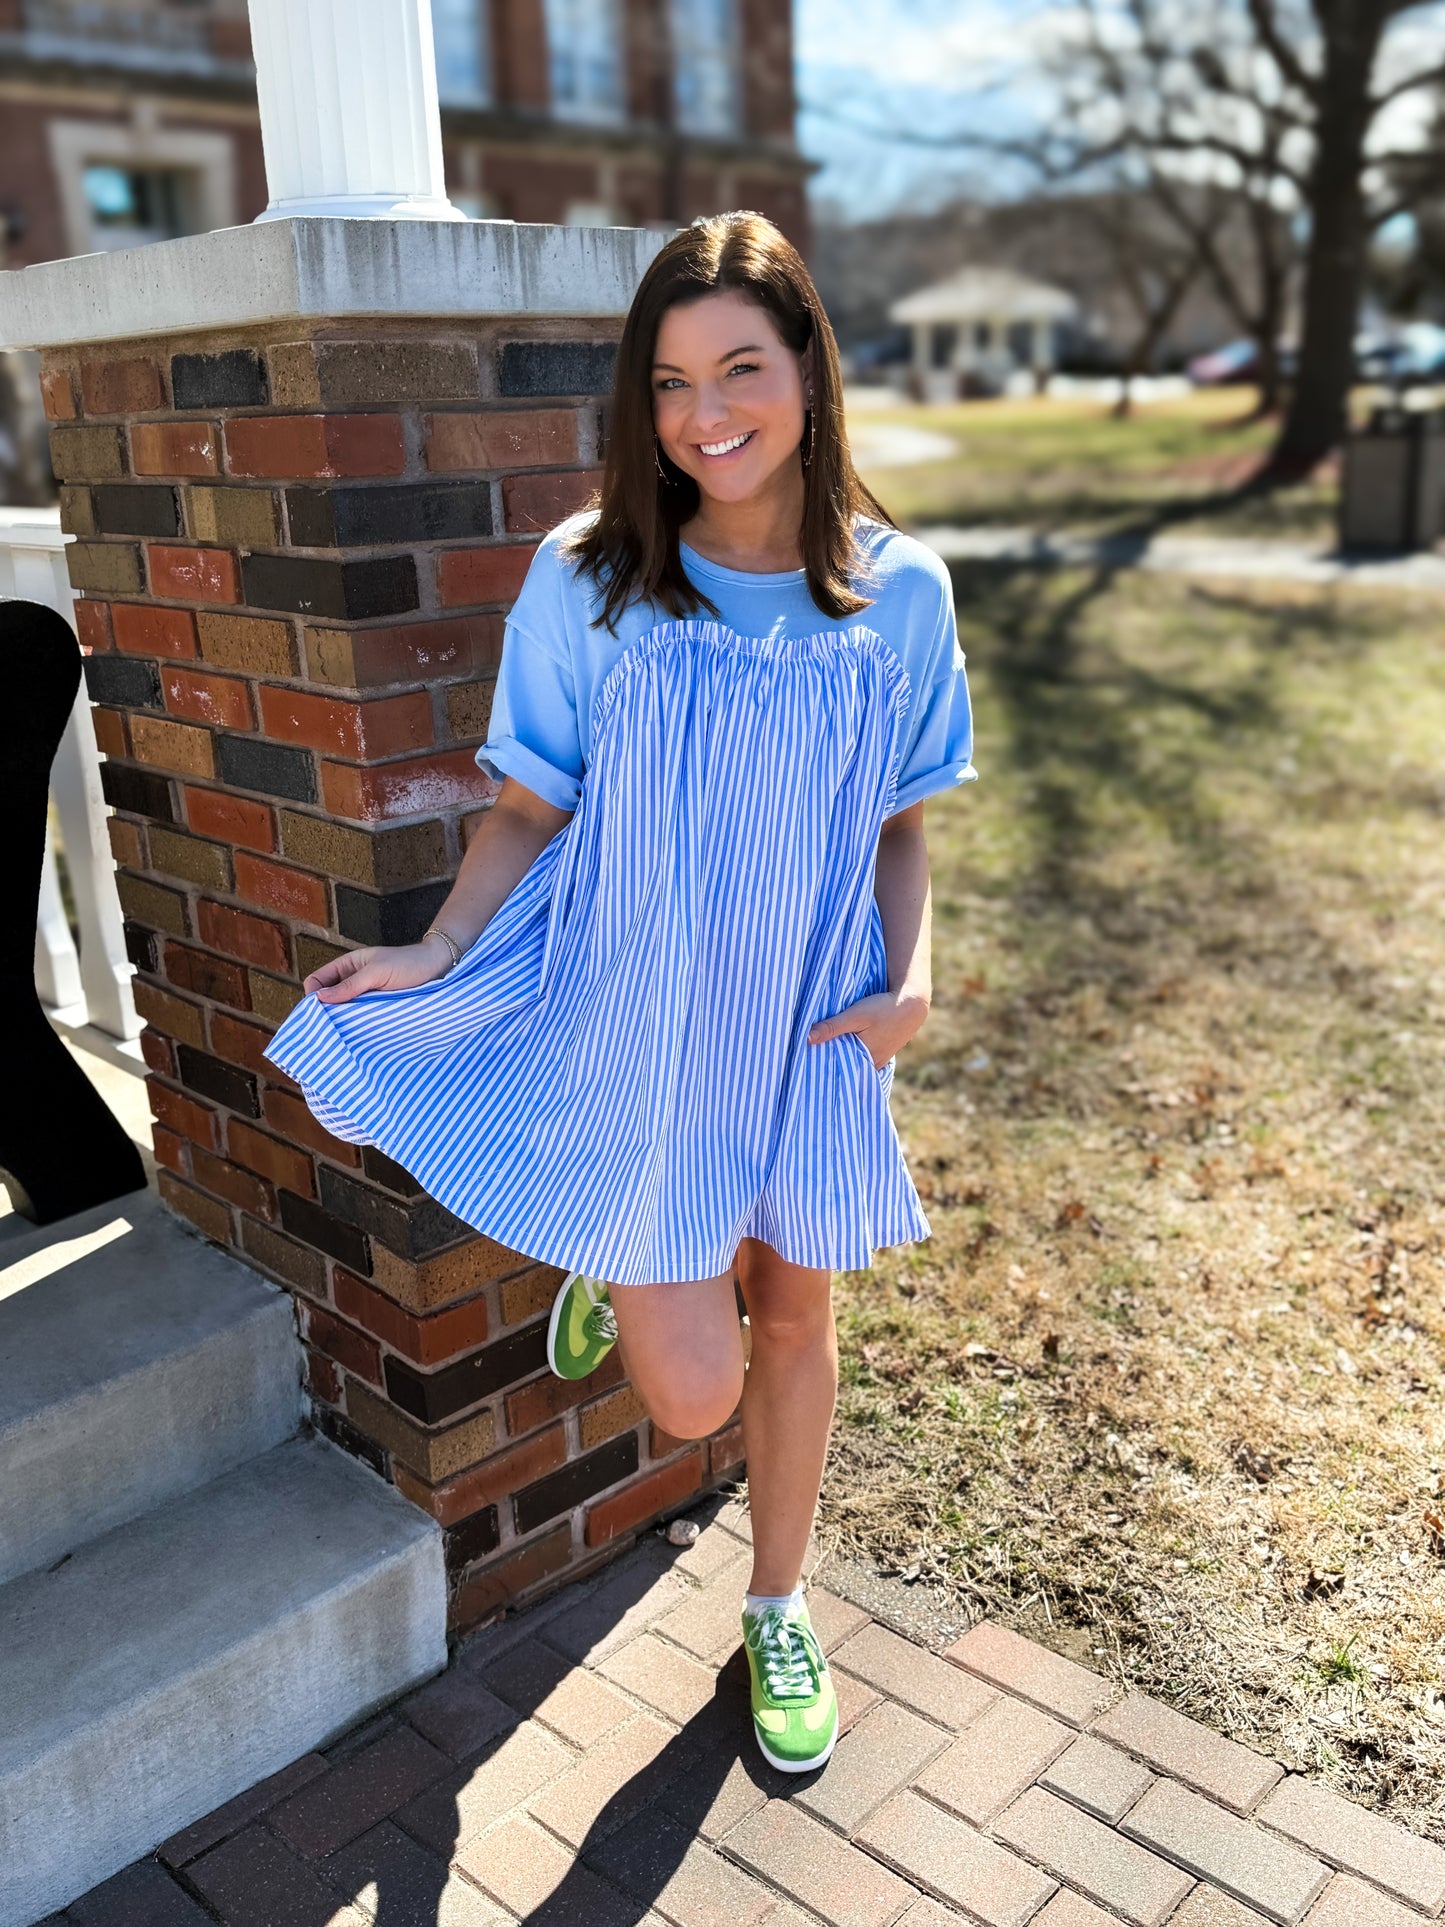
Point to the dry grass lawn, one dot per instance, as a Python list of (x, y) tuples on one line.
[(1072, 464), (1163, 1389)]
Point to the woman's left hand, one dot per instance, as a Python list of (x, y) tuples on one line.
[(884, 1021)]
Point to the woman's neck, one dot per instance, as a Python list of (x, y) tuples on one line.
[(759, 536)]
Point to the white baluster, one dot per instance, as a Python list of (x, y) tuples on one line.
[(349, 118)]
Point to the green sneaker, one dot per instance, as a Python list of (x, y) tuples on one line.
[(583, 1327), (795, 1710)]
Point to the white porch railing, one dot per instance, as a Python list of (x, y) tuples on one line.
[(93, 987)]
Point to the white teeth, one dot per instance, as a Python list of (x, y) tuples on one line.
[(723, 448)]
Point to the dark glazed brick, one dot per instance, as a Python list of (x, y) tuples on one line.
[(339, 1429), (213, 1077), (139, 791), (348, 518), (472, 1539), (382, 585), (431, 1397), (387, 1172), (141, 948), (314, 1226), (560, 1491), (126, 682), (558, 367), (235, 379), (137, 510), (365, 918), (411, 1231), (244, 763)]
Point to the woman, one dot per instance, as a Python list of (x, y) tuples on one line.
[(650, 1035)]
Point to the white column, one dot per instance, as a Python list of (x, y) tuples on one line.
[(349, 119)]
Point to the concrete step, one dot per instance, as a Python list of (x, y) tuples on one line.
[(136, 1363), (170, 1664)]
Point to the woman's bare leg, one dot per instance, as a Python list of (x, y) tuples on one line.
[(682, 1347), (788, 1399)]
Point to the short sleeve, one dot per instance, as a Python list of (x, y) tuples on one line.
[(533, 733), (938, 739)]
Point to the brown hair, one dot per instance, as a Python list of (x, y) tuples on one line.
[(631, 548)]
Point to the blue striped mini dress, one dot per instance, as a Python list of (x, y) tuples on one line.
[(617, 1078)]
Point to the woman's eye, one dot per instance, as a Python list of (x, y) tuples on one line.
[(743, 368), (671, 381)]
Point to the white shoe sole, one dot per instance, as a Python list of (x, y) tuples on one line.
[(795, 1766), (554, 1322)]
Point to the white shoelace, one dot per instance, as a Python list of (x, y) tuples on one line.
[(785, 1649), (601, 1322)]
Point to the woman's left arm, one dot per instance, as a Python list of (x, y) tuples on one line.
[(901, 883)]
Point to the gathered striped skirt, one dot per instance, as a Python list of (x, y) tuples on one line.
[(617, 1078)]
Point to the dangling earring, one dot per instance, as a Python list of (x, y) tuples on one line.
[(657, 460), (806, 446)]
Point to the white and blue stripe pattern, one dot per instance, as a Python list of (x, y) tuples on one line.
[(617, 1076)]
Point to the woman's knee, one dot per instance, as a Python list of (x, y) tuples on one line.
[(795, 1324), (695, 1400)]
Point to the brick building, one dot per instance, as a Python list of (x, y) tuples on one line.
[(122, 124)]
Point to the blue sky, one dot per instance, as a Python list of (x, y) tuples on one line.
[(917, 63)]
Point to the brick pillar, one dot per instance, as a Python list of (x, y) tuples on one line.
[(295, 548)]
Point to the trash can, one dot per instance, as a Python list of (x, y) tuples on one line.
[(1393, 493)]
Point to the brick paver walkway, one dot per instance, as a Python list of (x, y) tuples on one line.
[(590, 1761)]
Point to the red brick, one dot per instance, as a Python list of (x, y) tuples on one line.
[(500, 439), (183, 1114), (232, 819), (175, 448), (57, 393), (194, 575), (515, 1573), (459, 1497), (169, 1149), (110, 736), (495, 574), (228, 1181), (222, 700), (296, 893), (343, 1342), (725, 1449), (270, 1157), (241, 1043), (662, 1445), (125, 844), (1042, 1678), (237, 934), (385, 726), (159, 1053), (1223, 1769), (666, 1487), (206, 976), (425, 1341), (547, 1398), (288, 1114), (208, 1214), (323, 1377), (465, 647), (1336, 1829), (535, 502), (141, 630), (413, 787), (131, 387), (92, 625), (814, 1866), (319, 445)]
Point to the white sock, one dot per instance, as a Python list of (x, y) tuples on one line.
[(754, 1602)]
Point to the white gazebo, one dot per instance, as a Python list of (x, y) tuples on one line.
[(965, 324)]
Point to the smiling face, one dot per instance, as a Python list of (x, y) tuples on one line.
[(728, 395)]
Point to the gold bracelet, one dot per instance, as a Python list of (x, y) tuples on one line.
[(448, 941)]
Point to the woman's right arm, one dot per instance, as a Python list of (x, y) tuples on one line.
[(509, 839)]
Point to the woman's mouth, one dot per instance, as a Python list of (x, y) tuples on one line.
[(713, 450)]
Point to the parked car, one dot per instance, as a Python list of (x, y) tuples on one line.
[(1236, 361)]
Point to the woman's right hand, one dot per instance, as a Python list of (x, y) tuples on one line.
[(379, 967)]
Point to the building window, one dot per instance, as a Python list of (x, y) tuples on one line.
[(130, 206), (584, 49), (705, 66), (459, 32)]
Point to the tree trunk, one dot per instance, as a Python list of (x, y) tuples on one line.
[(1336, 254)]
